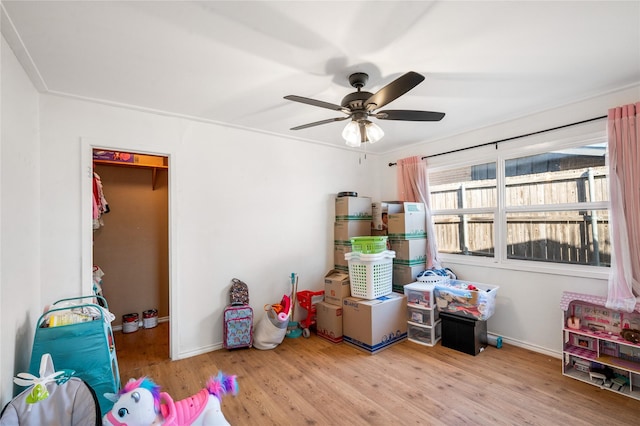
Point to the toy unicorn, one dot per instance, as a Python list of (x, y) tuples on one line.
[(140, 403)]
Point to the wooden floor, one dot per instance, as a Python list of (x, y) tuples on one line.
[(315, 382)]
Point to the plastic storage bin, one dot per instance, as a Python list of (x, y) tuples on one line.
[(369, 245), (424, 335), (460, 298), (421, 316), (420, 294), (370, 275)]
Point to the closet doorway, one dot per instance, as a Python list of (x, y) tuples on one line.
[(131, 244)]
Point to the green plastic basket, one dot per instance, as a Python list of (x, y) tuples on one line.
[(369, 245)]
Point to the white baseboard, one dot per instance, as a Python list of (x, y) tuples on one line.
[(529, 346), (199, 351)]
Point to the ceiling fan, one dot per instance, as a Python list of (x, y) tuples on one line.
[(359, 106)]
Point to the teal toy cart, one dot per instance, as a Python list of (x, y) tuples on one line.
[(86, 346)]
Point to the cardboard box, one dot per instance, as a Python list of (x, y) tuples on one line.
[(339, 250), (410, 223), (410, 252), (341, 268), (398, 288), (379, 213), (329, 321), (374, 325), (345, 229), (395, 206), (336, 287), (405, 274), (353, 208)]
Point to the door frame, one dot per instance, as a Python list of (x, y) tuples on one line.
[(87, 145)]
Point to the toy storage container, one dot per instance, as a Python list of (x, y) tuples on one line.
[(80, 342), (423, 319), (370, 275), (466, 299)]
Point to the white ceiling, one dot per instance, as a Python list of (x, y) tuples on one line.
[(232, 62)]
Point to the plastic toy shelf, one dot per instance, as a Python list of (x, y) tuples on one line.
[(87, 347)]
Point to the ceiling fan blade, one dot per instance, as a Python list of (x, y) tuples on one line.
[(394, 90), (317, 123), (409, 115), (317, 103)]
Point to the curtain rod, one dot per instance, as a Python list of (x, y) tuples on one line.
[(511, 138)]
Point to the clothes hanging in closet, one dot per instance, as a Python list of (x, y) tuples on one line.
[(100, 205)]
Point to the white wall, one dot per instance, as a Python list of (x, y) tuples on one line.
[(528, 305), (242, 204), (20, 278)]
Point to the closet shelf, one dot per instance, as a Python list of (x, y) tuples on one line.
[(152, 162)]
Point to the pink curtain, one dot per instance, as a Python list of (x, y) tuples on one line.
[(624, 225), (413, 185)]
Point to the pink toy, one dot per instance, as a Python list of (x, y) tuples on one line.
[(140, 403)]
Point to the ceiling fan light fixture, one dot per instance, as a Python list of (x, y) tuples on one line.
[(374, 132), (351, 134)]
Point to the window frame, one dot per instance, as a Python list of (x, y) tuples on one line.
[(500, 153)]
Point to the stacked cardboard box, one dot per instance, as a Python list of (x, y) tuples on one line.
[(370, 325), (353, 219), (373, 325), (336, 287), (329, 311), (408, 238), (380, 217)]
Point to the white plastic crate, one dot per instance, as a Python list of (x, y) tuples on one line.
[(370, 275)]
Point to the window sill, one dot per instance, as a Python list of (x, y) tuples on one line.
[(594, 272)]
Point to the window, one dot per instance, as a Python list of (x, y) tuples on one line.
[(549, 206), (464, 201)]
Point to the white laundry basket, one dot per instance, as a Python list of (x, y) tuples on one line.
[(371, 275)]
